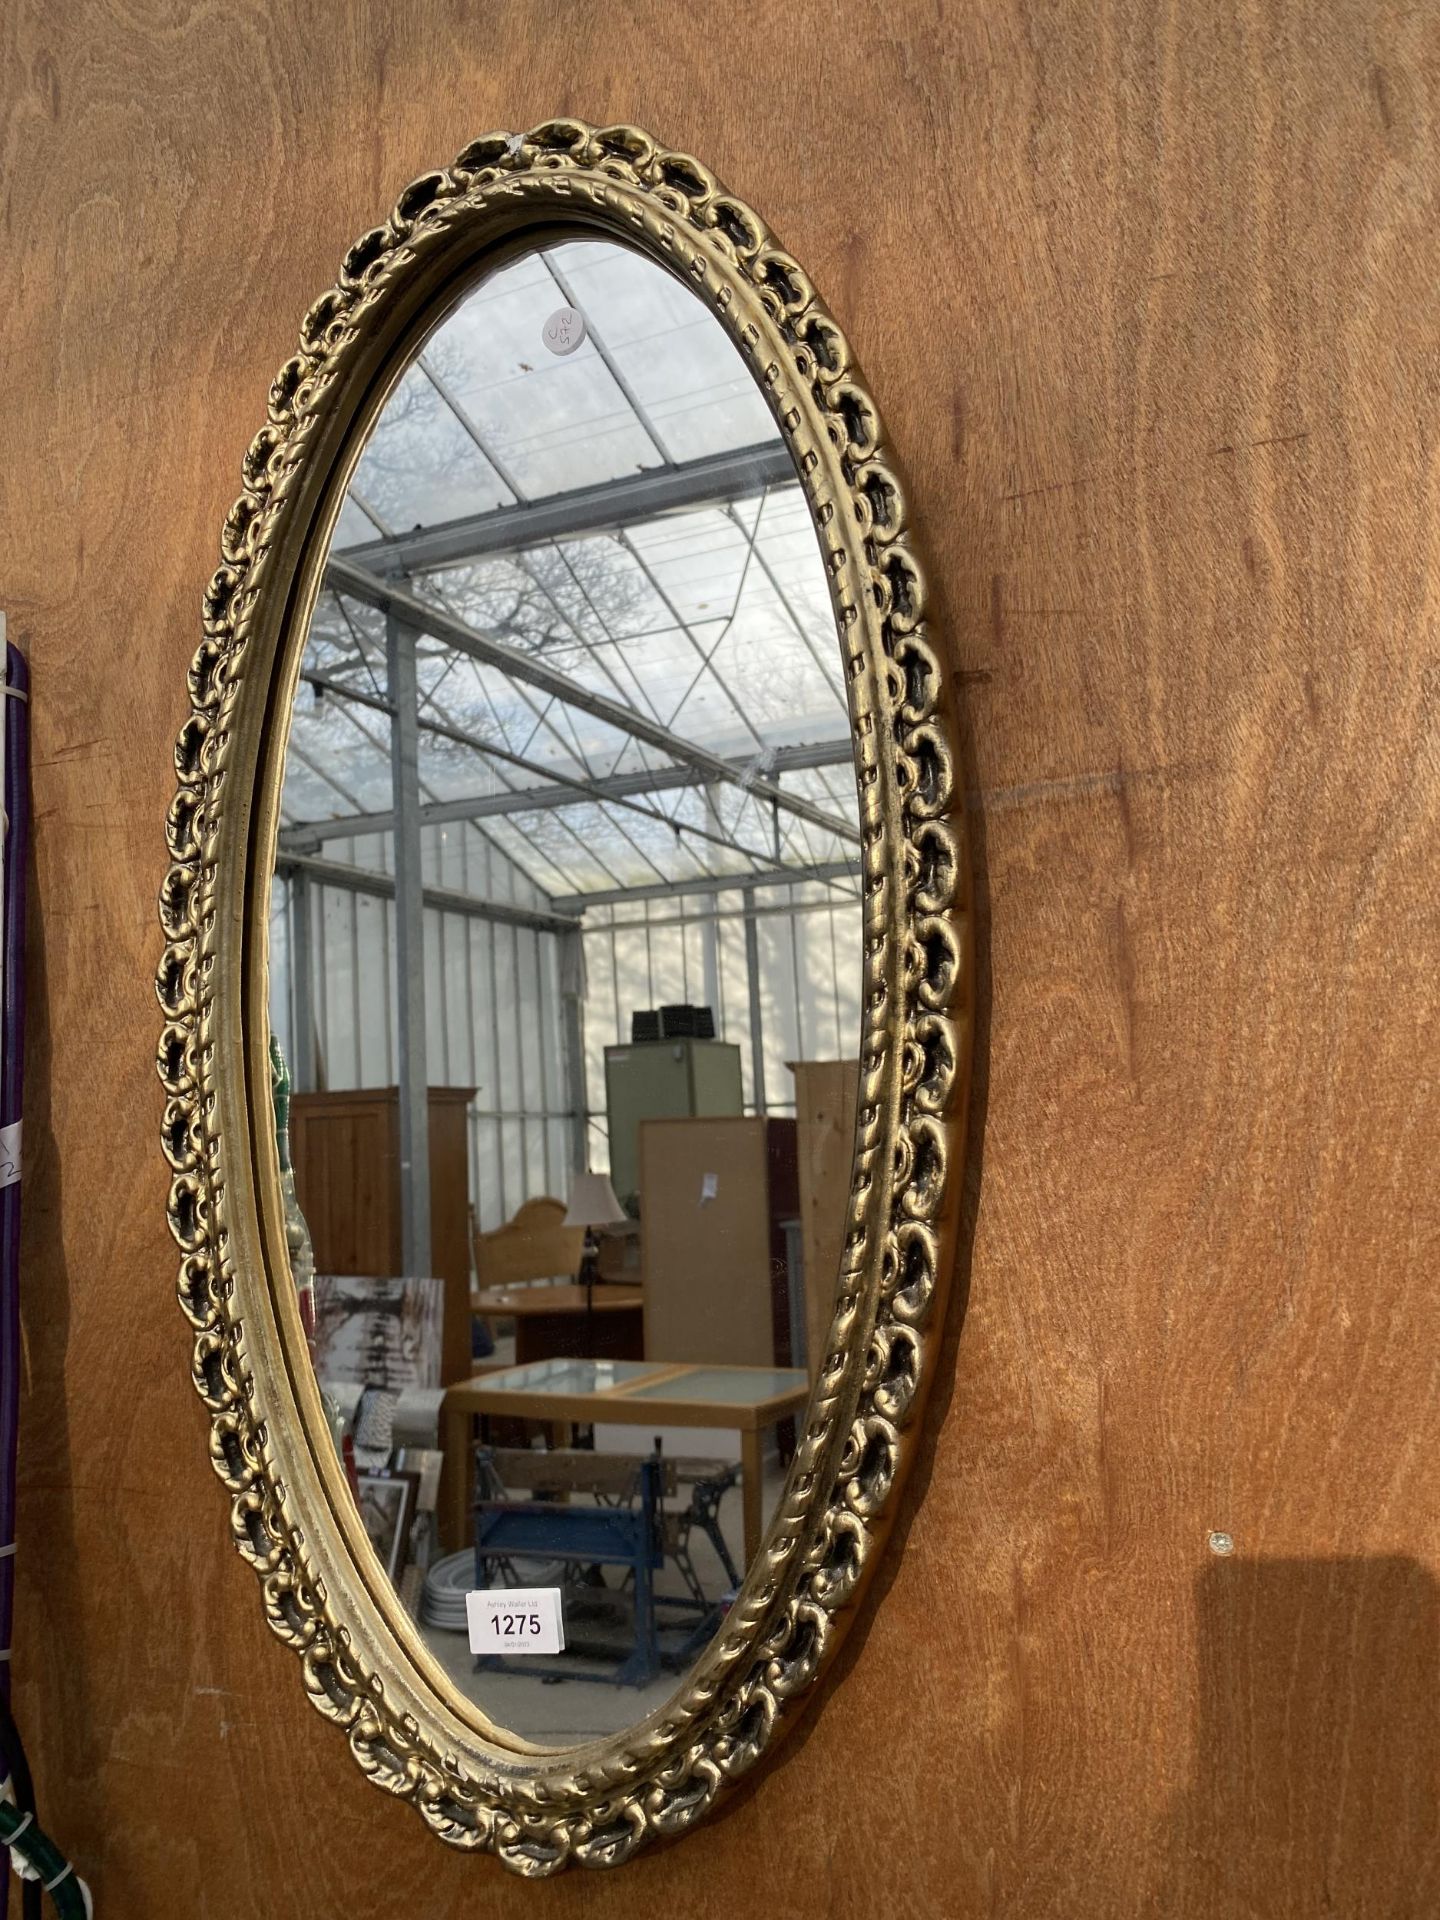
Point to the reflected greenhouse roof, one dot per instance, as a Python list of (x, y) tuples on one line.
[(633, 625)]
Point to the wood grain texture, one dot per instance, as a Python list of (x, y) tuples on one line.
[(1147, 293)]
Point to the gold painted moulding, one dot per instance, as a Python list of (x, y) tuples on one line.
[(324, 1593)]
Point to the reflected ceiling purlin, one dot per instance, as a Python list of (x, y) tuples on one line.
[(710, 557)]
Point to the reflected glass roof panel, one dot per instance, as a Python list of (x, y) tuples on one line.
[(355, 525), (332, 735), (421, 466), (673, 354), (554, 423)]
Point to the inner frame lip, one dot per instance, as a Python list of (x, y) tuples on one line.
[(531, 230)]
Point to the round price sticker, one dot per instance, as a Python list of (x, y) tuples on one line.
[(564, 330)]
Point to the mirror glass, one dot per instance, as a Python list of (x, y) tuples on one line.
[(565, 954)]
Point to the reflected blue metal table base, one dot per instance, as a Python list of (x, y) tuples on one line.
[(585, 1536)]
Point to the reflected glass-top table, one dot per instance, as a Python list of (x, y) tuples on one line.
[(644, 1393)]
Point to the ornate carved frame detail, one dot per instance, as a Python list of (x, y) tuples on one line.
[(324, 1592)]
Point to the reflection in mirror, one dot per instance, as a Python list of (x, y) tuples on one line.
[(565, 960)]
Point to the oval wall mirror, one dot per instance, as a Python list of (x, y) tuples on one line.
[(567, 999)]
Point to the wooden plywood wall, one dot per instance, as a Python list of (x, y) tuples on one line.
[(1148, 295)]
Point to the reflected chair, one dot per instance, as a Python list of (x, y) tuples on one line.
[(535, 1244)]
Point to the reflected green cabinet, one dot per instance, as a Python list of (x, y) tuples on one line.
[(664, 1080)]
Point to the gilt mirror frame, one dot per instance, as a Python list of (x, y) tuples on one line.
[(324, 1592)]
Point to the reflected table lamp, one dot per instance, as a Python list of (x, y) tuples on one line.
[(592, 1204)]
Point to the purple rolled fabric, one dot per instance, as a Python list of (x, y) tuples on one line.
[(16, 720)]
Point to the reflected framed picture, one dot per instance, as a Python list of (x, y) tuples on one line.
[(388, 1500), (378, 1332)]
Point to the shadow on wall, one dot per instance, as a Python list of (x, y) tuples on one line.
[(1315, 1778)]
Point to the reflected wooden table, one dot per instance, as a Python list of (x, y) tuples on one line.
[(554, 1318), (637, 1393)]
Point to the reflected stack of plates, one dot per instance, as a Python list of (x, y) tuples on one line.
[(449, 1580), (446, 1584)]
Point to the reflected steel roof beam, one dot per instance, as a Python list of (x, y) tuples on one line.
[(604, 508), (559, 791), (335, 873), (712, 883), (427, 796), (565, 909), (342, 573)]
